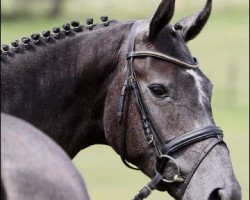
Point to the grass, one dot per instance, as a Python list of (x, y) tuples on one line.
[(222, 49)]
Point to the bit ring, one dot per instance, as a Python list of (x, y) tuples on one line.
[(177, 177)]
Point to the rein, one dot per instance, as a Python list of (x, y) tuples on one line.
[(162, 151)]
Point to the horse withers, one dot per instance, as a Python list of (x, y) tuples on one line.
[(133, 86), (33, 166)]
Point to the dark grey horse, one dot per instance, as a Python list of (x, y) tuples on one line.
[(34, 167), (68, 83)]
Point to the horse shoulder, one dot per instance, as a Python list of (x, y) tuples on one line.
[(34, 167)]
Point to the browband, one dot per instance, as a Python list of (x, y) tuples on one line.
[(164, 57)]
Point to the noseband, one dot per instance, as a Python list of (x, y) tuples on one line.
[(162, 151)]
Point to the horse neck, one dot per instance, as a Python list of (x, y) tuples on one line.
[(61, 88)]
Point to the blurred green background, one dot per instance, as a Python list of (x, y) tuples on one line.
[(222, 49)]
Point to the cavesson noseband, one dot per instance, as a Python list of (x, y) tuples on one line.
[(162, 151)]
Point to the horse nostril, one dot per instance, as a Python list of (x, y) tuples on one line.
[(223, 194), (232, 192), (215, 195)]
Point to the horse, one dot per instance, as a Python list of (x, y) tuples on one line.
[(33, 166), (131, 85)]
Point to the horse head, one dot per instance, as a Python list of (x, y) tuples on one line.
[(166, 99)]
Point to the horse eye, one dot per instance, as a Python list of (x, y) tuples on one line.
[(158, 90)]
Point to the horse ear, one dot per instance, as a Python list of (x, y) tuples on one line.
[(162, 17), (192, 25)]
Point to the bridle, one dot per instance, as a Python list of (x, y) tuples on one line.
[(162, 151)]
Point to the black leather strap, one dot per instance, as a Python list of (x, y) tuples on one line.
[(187, 139), (122, 134), (165, 57), (198, 162), (190, 138), (122, 100), (146, 190)]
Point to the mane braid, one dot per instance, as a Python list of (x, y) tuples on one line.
[(68, 30)]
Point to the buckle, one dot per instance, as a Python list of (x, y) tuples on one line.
[(131, 78)]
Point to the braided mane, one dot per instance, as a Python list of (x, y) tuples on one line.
[(46, 37)]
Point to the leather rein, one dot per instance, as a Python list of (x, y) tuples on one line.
[(162, 151)]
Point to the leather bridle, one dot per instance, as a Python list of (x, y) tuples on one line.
[(162, 151)]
